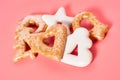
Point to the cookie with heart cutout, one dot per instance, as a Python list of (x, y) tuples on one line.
[(38, 45)]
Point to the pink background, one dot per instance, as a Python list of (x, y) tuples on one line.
[(106, 63)]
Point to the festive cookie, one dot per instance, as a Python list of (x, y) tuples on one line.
[(80, 38), (99, 29), (59, 17), (37, 44), (29, 25)]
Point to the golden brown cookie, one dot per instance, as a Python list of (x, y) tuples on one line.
[(29, 25), (99, 29), (37, 44)]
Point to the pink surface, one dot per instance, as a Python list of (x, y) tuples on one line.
[(106, 63)]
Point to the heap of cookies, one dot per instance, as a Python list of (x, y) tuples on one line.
[(51, 36)]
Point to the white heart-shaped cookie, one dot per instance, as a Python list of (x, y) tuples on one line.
[(80, 38)]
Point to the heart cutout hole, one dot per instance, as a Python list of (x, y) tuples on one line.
[(59, 22), (27, 47), (86, 23), (33, 25), (75, 51), (71, 29), (36, 54), (49, 41)]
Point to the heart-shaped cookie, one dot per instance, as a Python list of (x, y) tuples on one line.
[(37, 44), (80, 38)]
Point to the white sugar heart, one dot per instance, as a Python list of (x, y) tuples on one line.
[(79, 38)]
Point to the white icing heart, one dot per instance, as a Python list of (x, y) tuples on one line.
[(60, 16), (80, 37)]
